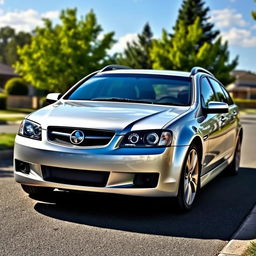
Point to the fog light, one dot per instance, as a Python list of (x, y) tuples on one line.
[(146, 180), (21, 166)]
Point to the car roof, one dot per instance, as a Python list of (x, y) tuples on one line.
[(147, 72)]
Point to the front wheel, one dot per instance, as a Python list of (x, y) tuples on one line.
[(190, 180), (32, 190)]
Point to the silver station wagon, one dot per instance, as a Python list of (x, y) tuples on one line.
[(133, 132)]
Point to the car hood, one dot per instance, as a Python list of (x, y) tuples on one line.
[(106, 115)]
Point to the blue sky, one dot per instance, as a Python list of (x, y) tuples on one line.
[(127, 17)]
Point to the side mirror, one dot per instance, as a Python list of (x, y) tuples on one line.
[(53, 97), (215, 107)]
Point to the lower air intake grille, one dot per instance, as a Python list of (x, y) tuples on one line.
[(75, 176)]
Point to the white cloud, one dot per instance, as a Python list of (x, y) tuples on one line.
[(1, 1), (25, 20), (239, 37), (122, 42), (51, 15), (227, 18), (234, 28)]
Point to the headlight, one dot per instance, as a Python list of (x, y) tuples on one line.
[(156, 138), (30, 130)]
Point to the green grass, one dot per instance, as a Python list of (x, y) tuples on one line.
[(10, 119), (7, 140), (248, 110), (14, 114), (251, 250), (21, 110)]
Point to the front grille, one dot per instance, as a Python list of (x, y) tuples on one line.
[(93, 137), (75, 176)]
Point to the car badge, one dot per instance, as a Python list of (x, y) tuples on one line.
[(77, 137)]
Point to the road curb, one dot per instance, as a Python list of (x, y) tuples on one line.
[(6, 155), (243, 237)]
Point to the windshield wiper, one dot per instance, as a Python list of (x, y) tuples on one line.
[(121, 100)]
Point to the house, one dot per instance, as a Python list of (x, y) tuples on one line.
[(244, 86), (6, 72)]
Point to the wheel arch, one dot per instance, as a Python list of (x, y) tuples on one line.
[(197, 141), (240, 134)]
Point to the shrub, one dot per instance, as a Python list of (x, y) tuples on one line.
[(245, 103), (3, 99), (16, 86), (43, 102)]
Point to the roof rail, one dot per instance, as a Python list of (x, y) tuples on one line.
[(113, 67), (196, 70)]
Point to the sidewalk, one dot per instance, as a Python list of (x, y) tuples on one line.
[(243, 237), (9, 128)]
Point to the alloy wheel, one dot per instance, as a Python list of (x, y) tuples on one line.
[(191, 177)]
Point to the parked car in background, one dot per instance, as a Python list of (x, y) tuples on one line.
[(133, 132)]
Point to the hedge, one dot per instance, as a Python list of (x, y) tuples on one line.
[(16, 86), (3, 99), (245, 103)]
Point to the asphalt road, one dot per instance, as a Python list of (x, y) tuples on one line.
[(86, 224)]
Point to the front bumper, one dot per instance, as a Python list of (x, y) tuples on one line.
[(121, 163)]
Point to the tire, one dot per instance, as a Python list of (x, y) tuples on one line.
[(233, 167), (32, 190), (189, 180)]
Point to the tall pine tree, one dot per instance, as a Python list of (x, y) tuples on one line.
[(189, 47), (137, 53), (188, 13)]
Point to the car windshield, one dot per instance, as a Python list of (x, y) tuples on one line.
[(151, 89)]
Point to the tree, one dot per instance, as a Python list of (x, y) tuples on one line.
[(137, 53), (254, 13), (60, 55), (188, 13), (9, 42), (182, 51)]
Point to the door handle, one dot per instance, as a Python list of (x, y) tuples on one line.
[(223, 118)]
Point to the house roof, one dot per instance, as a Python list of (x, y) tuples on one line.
[(244, 80), (6, 70), (244, 76)]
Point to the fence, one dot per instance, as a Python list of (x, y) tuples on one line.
[(15, 101)]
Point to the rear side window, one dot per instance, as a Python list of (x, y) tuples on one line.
[(218, 91), (230, 101), (207, 93)]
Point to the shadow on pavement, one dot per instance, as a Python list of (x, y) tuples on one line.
[(222, 206), (5, 170), (6, 174)]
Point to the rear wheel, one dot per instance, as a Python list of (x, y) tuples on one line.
[(31, 190), (190, 181), (233, 167)]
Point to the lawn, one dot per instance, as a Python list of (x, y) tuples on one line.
[(7, 140), (251, 251), (14, 114), (248, 110), (21, 110)]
